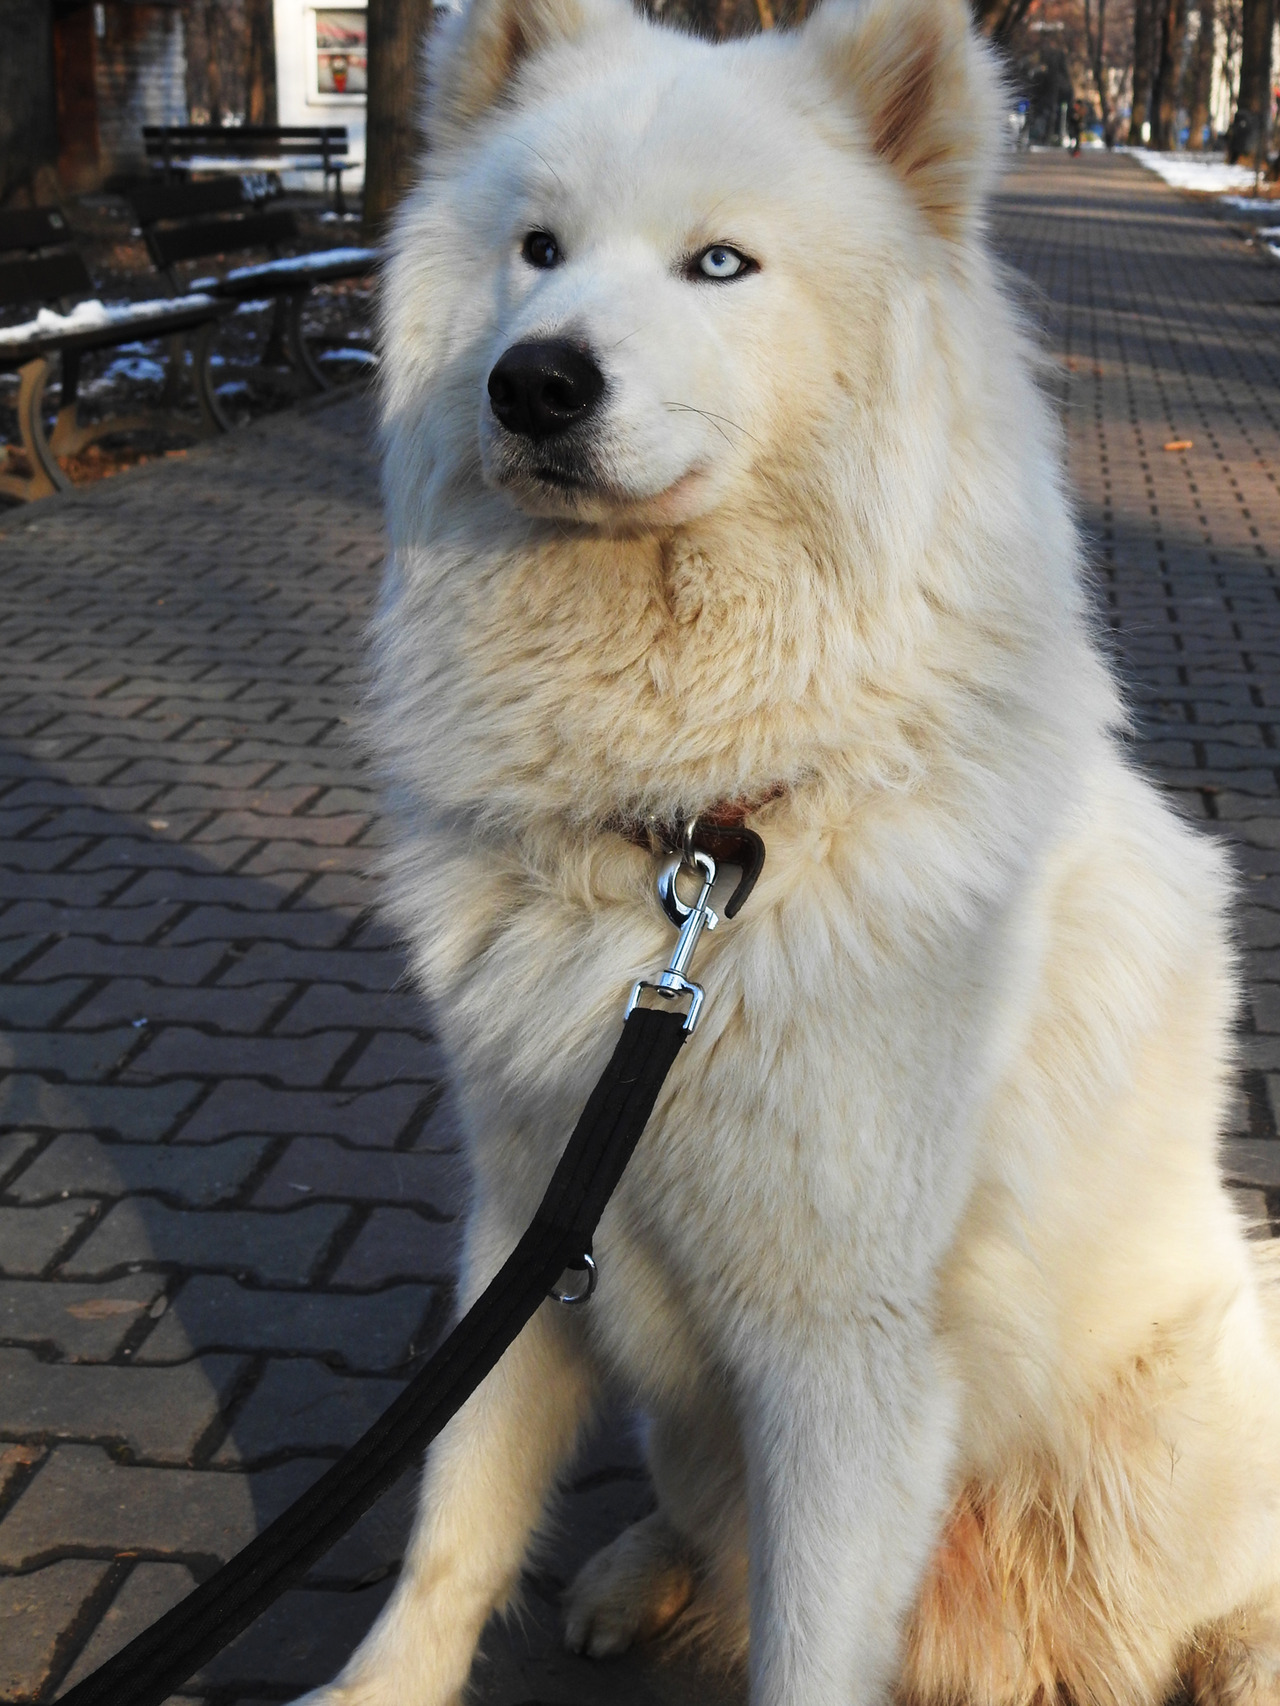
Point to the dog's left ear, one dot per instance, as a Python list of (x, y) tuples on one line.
[(474, 56), (927, 91)]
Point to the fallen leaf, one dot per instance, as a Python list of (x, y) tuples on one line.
[(99, 1308), (1179, 444), (19, 1456)]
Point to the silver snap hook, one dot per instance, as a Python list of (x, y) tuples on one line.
[(703, 868)]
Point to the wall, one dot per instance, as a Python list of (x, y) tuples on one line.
[(141, 73), (301, 73)]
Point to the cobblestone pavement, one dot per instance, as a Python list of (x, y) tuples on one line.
[(228, 1183)]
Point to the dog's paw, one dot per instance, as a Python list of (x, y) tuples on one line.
[(631, 1590)]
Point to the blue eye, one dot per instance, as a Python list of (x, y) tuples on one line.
[(720, 262), (540, 249)]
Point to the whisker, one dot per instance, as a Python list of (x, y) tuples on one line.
[(716, 420), (543, 158)]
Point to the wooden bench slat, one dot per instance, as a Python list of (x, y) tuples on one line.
[(46, 278), (252, 130), (187, 201), (244, 132), (159, 322), (202, 237), (33, 228), (296, 272), (176, 142)]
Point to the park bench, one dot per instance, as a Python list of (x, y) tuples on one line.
[(183, 222), (250, 147), (41, 268)]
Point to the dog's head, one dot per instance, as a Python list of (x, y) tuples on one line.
[(644, 269)]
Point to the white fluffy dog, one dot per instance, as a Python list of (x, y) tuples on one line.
[(718, 480)]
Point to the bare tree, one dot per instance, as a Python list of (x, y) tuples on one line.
[(999, 19), (1096, 47), (214, 61), (1251, 127), (260, 72), (397, 30), (1144, 43), (1172, 19), (28, 123), (1200, 78)]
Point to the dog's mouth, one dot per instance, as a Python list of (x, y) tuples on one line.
[(583, 495), (557, 473), (565, 481)]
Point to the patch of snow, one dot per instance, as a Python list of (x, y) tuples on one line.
[(329, 217), (131, 362), (348, 353), (303, 263), (1208, 174), (254, 167), (1255, 204), (93, 316)]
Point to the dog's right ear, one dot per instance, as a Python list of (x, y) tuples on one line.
[(474, 55), (926, 90)]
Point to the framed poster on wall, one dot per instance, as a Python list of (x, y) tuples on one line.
[(341, 59)]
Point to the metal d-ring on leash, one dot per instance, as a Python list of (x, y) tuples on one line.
[(159, 1660)]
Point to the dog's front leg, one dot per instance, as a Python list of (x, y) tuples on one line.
[(848, 1437), (486, 1481)]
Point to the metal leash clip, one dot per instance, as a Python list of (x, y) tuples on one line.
[(672, 984)]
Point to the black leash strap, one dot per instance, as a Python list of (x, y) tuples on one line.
[(164, 1656)]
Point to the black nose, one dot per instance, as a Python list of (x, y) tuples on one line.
[(541, 389)]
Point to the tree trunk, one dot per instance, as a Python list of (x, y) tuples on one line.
[(260, 73), (1164, 94), (28, 125), (1096, 43), (1251, 127), (213, 61), (1144, 29), (397, 30), (1201, 76)]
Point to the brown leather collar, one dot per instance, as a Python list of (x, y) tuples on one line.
[(723, 820), (720, 830)]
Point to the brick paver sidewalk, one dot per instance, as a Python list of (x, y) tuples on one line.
[(227, 1174)]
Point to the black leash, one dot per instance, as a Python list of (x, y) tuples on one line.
[(163, 1657)]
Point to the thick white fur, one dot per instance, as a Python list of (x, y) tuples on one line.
[(959, 1369)]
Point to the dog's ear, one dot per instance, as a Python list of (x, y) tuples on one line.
[(473, 55), (926, 90)]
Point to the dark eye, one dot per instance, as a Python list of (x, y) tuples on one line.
[(721, 263), (541, 250)]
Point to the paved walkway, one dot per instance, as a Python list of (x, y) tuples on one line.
[(227, 1173)]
